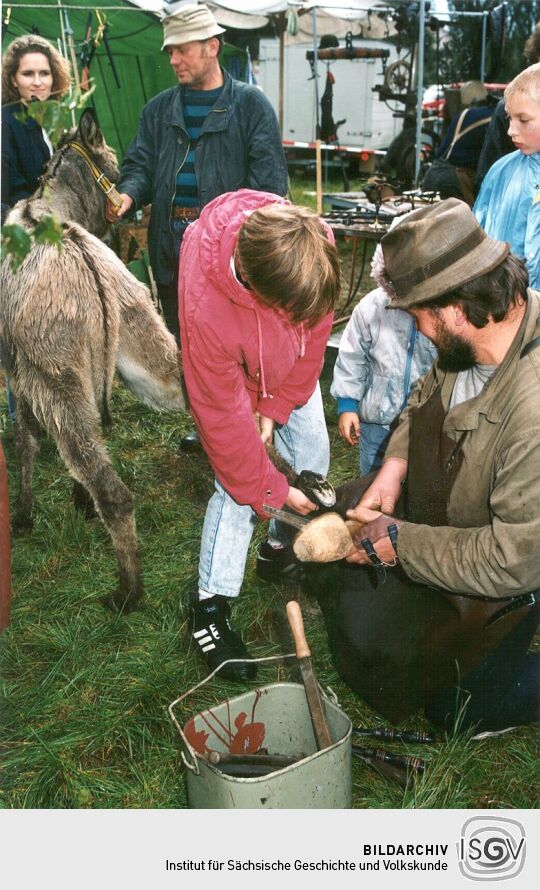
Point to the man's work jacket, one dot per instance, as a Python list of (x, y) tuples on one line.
[(492, 544), (239, 147)]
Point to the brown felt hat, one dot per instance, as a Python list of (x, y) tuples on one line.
[(437, 249), (191, 22)]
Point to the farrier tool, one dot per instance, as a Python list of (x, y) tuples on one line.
[(418, 737), (313, 693)]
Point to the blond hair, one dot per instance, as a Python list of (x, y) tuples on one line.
[(33, 43), (286, 257), (527, 83)]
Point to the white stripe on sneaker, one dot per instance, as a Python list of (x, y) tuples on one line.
[(200, 633)]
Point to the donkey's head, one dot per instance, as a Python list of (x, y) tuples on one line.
[(81, 157), (89, 135)]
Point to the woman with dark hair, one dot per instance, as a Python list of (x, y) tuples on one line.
[(31, 69)]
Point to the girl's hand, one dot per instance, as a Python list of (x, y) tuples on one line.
[(265, 426), (298, 502), (349, 427)]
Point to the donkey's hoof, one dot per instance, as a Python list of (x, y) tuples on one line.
[(316, 487), (21, 522), (122, 604)]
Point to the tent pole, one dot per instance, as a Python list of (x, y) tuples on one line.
[(141, 80), (65, 49), (282, 28), (484, 38), (420, 89), (315, 69), (111, 108), (318, 174)]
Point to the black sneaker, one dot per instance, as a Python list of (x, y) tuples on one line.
[(216, 641), (279, 564)]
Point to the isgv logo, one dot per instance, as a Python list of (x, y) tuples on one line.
[(491, 848)]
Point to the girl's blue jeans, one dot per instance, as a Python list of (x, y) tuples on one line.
[(373, 441), (228, 526)]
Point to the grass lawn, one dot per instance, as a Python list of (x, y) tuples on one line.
[(85, 693)]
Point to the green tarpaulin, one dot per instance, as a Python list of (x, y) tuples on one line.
[(134, 38)]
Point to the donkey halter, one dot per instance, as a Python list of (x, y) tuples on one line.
[(106, 186)]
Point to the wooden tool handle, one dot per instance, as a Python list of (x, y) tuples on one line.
[(297, 627)]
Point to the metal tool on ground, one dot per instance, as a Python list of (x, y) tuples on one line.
[(389, 771), (313, 692), (414, 764), (395, 735)]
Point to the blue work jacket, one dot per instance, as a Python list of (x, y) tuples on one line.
[(239, 147)]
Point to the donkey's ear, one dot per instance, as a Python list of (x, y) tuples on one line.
[(88, 130)]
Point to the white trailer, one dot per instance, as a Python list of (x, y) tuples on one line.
[(369, 123)]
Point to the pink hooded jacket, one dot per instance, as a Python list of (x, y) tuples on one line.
[(240, 356)]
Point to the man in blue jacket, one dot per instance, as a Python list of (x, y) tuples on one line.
[(207, 136)]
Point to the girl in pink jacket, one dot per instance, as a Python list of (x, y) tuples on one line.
[(258, 281)]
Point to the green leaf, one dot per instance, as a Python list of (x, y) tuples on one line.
[(55, 115), (48, 231), (16, 243)]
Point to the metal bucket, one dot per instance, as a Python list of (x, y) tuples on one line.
[(277, 718)]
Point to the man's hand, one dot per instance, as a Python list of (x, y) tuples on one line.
[(266, 427), (298, 502), (376, 530), (113, 213), (349, 427), (383, 493)]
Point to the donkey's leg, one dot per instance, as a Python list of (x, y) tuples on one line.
[(27, 440), (73, 422), (89, 463), (82, 500)]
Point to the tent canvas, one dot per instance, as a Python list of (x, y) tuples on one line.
[(134, 37)]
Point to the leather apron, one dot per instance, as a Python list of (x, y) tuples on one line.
[(399, 643)]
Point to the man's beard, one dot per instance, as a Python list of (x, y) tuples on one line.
[(455, 353)]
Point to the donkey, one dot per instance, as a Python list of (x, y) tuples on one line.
[(68, 319)]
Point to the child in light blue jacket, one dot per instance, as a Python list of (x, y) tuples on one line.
[(508, 204), (381, 356)]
